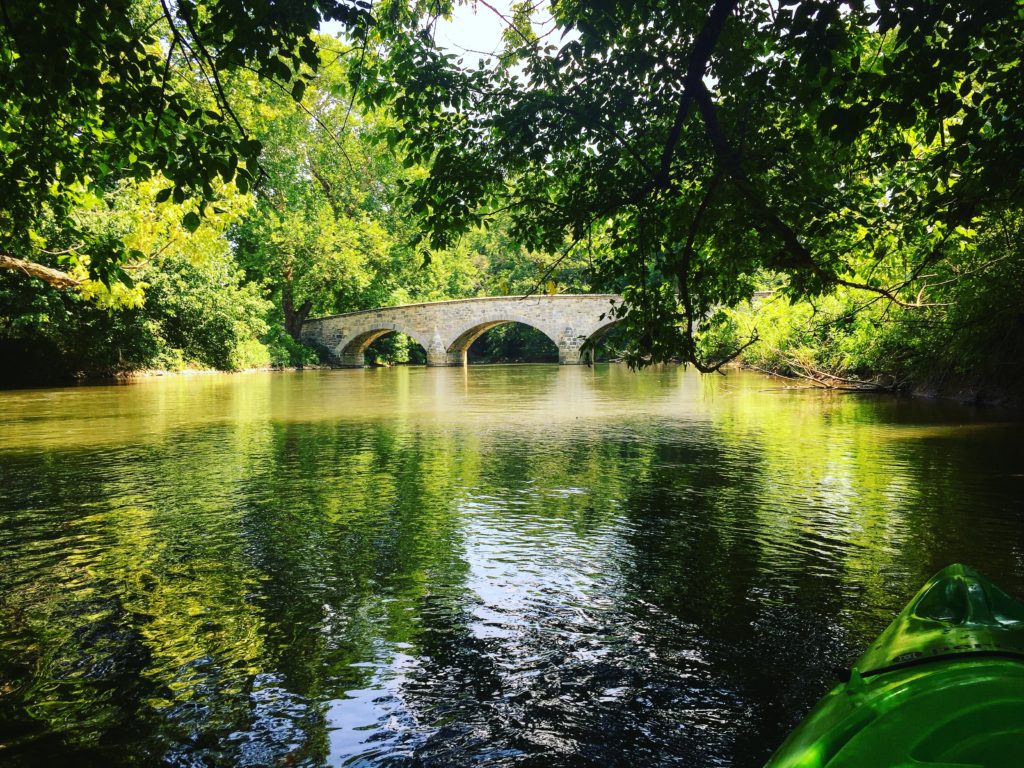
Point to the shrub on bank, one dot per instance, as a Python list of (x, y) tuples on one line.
[(963, 337)]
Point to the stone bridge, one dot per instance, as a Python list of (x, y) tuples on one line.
[(446, 329)]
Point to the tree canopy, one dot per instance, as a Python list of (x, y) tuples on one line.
[(103, 90), (682, 154), (704, 144)]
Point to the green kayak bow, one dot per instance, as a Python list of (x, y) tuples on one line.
[(942, 687)]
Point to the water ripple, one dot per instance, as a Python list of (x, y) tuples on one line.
[(514, 566)]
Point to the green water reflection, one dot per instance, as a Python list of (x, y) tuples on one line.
[(522, 565)]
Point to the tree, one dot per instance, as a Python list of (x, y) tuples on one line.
[(308, 259), (331, 231), (966, 342), (105, 90), (839, 144), (323, 229), (187, 304), (508, 268)]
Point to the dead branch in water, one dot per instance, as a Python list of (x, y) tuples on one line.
[(823, 379)]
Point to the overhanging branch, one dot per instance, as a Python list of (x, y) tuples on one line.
[(53, 277)]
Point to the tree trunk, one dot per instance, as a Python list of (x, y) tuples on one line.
[(294, 318)]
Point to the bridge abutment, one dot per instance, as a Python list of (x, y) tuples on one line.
[(440, 359)]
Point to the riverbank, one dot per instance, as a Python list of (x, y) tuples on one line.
[(962, 390), (960, 349), (970, 393), (150, 373), (127, 377)]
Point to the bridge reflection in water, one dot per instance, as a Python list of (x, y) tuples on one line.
[(446, 329)]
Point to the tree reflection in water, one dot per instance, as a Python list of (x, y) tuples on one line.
[(524, 565)]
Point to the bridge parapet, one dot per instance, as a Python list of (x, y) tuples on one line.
[(446, 329)]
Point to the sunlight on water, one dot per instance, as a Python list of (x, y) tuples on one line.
[(509, 565)]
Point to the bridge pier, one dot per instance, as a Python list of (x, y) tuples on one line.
[(569, 348), (351, 360), (437, 353), (438, 360)]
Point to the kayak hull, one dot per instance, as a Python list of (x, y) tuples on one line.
[(943, 686)]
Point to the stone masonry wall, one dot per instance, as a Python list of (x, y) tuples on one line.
[(446, 329)]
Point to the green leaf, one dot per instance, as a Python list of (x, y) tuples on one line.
[(851, 121), (278, 69), (190, 221), (309, 54)]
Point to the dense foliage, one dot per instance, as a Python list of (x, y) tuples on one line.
[(839, 145), (188, 304), (862, 161), (224, 279), (104, 90), (967, 341)]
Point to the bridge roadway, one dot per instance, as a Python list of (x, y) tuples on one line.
[(446, 329)]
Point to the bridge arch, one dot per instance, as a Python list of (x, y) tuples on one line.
[(595, 337), (351, 353), (458, 349)]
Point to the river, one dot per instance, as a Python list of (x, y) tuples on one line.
[(495, 566)]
